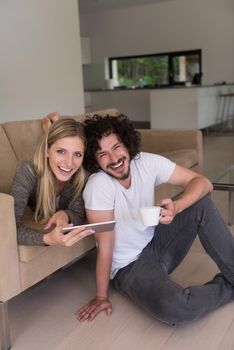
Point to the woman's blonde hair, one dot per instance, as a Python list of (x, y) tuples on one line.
[(46, 188)]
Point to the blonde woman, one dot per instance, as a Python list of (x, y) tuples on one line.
[(51, 185)]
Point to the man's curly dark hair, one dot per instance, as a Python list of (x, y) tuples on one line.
[(98, 126)]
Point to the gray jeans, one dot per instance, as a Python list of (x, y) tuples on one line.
[(147, 282)]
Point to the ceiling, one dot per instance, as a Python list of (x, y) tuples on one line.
[(91, 6)]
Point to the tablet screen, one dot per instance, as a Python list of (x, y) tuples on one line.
[(98, 227)]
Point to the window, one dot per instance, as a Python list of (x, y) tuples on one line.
[(174, 68)]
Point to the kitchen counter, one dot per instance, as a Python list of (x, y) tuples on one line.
[(156, 88), (178, 107), (187, 108), (135, 103)]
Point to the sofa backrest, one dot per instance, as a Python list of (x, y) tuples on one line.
[(24, 137), (8, 162), (18, 141)]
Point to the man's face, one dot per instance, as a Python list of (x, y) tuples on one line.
[(113, 158)]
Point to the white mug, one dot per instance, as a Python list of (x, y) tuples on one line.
[(150, 215)]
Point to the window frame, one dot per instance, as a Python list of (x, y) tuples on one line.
[(171, 55)]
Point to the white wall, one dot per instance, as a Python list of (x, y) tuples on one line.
[(40, 60), (167, 26)]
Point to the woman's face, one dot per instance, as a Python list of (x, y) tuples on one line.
[(65, 157)]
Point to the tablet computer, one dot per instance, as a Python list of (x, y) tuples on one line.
[(97, 227)]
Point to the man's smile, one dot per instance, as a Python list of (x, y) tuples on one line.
[(118, 165)]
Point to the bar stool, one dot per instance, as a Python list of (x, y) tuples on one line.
[(226, 118)]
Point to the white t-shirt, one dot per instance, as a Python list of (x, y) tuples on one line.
[(103, 192)]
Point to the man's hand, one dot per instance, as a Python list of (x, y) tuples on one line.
[(94, 307), (168, 211)]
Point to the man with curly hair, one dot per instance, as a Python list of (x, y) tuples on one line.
[(139, 259)]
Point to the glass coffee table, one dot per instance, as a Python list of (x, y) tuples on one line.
[(225, 182)]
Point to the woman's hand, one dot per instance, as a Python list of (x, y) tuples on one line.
[(56, 237), (49, 120), (93, 308), (60, 218)]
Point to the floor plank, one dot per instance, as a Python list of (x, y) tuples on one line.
[(205, 334), (228, 340)]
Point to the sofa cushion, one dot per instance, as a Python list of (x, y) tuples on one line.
[(7, 164), (27, 253), (187, 158)]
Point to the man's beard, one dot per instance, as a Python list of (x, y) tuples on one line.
[(123, 176)]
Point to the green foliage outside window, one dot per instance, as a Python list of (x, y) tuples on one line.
[(143, 71)]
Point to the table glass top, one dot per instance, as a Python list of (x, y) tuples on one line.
[(225, 178)]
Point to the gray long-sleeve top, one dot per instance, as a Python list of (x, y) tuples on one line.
[(24, 191)]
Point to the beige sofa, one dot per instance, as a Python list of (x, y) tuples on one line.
[(23, 266)]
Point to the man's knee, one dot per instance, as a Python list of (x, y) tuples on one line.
[(204, 208), (205, 202)]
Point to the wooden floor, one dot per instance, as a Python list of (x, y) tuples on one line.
[(43, 317)]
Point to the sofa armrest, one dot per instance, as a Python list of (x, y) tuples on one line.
[(160, 141), (10, 284)]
